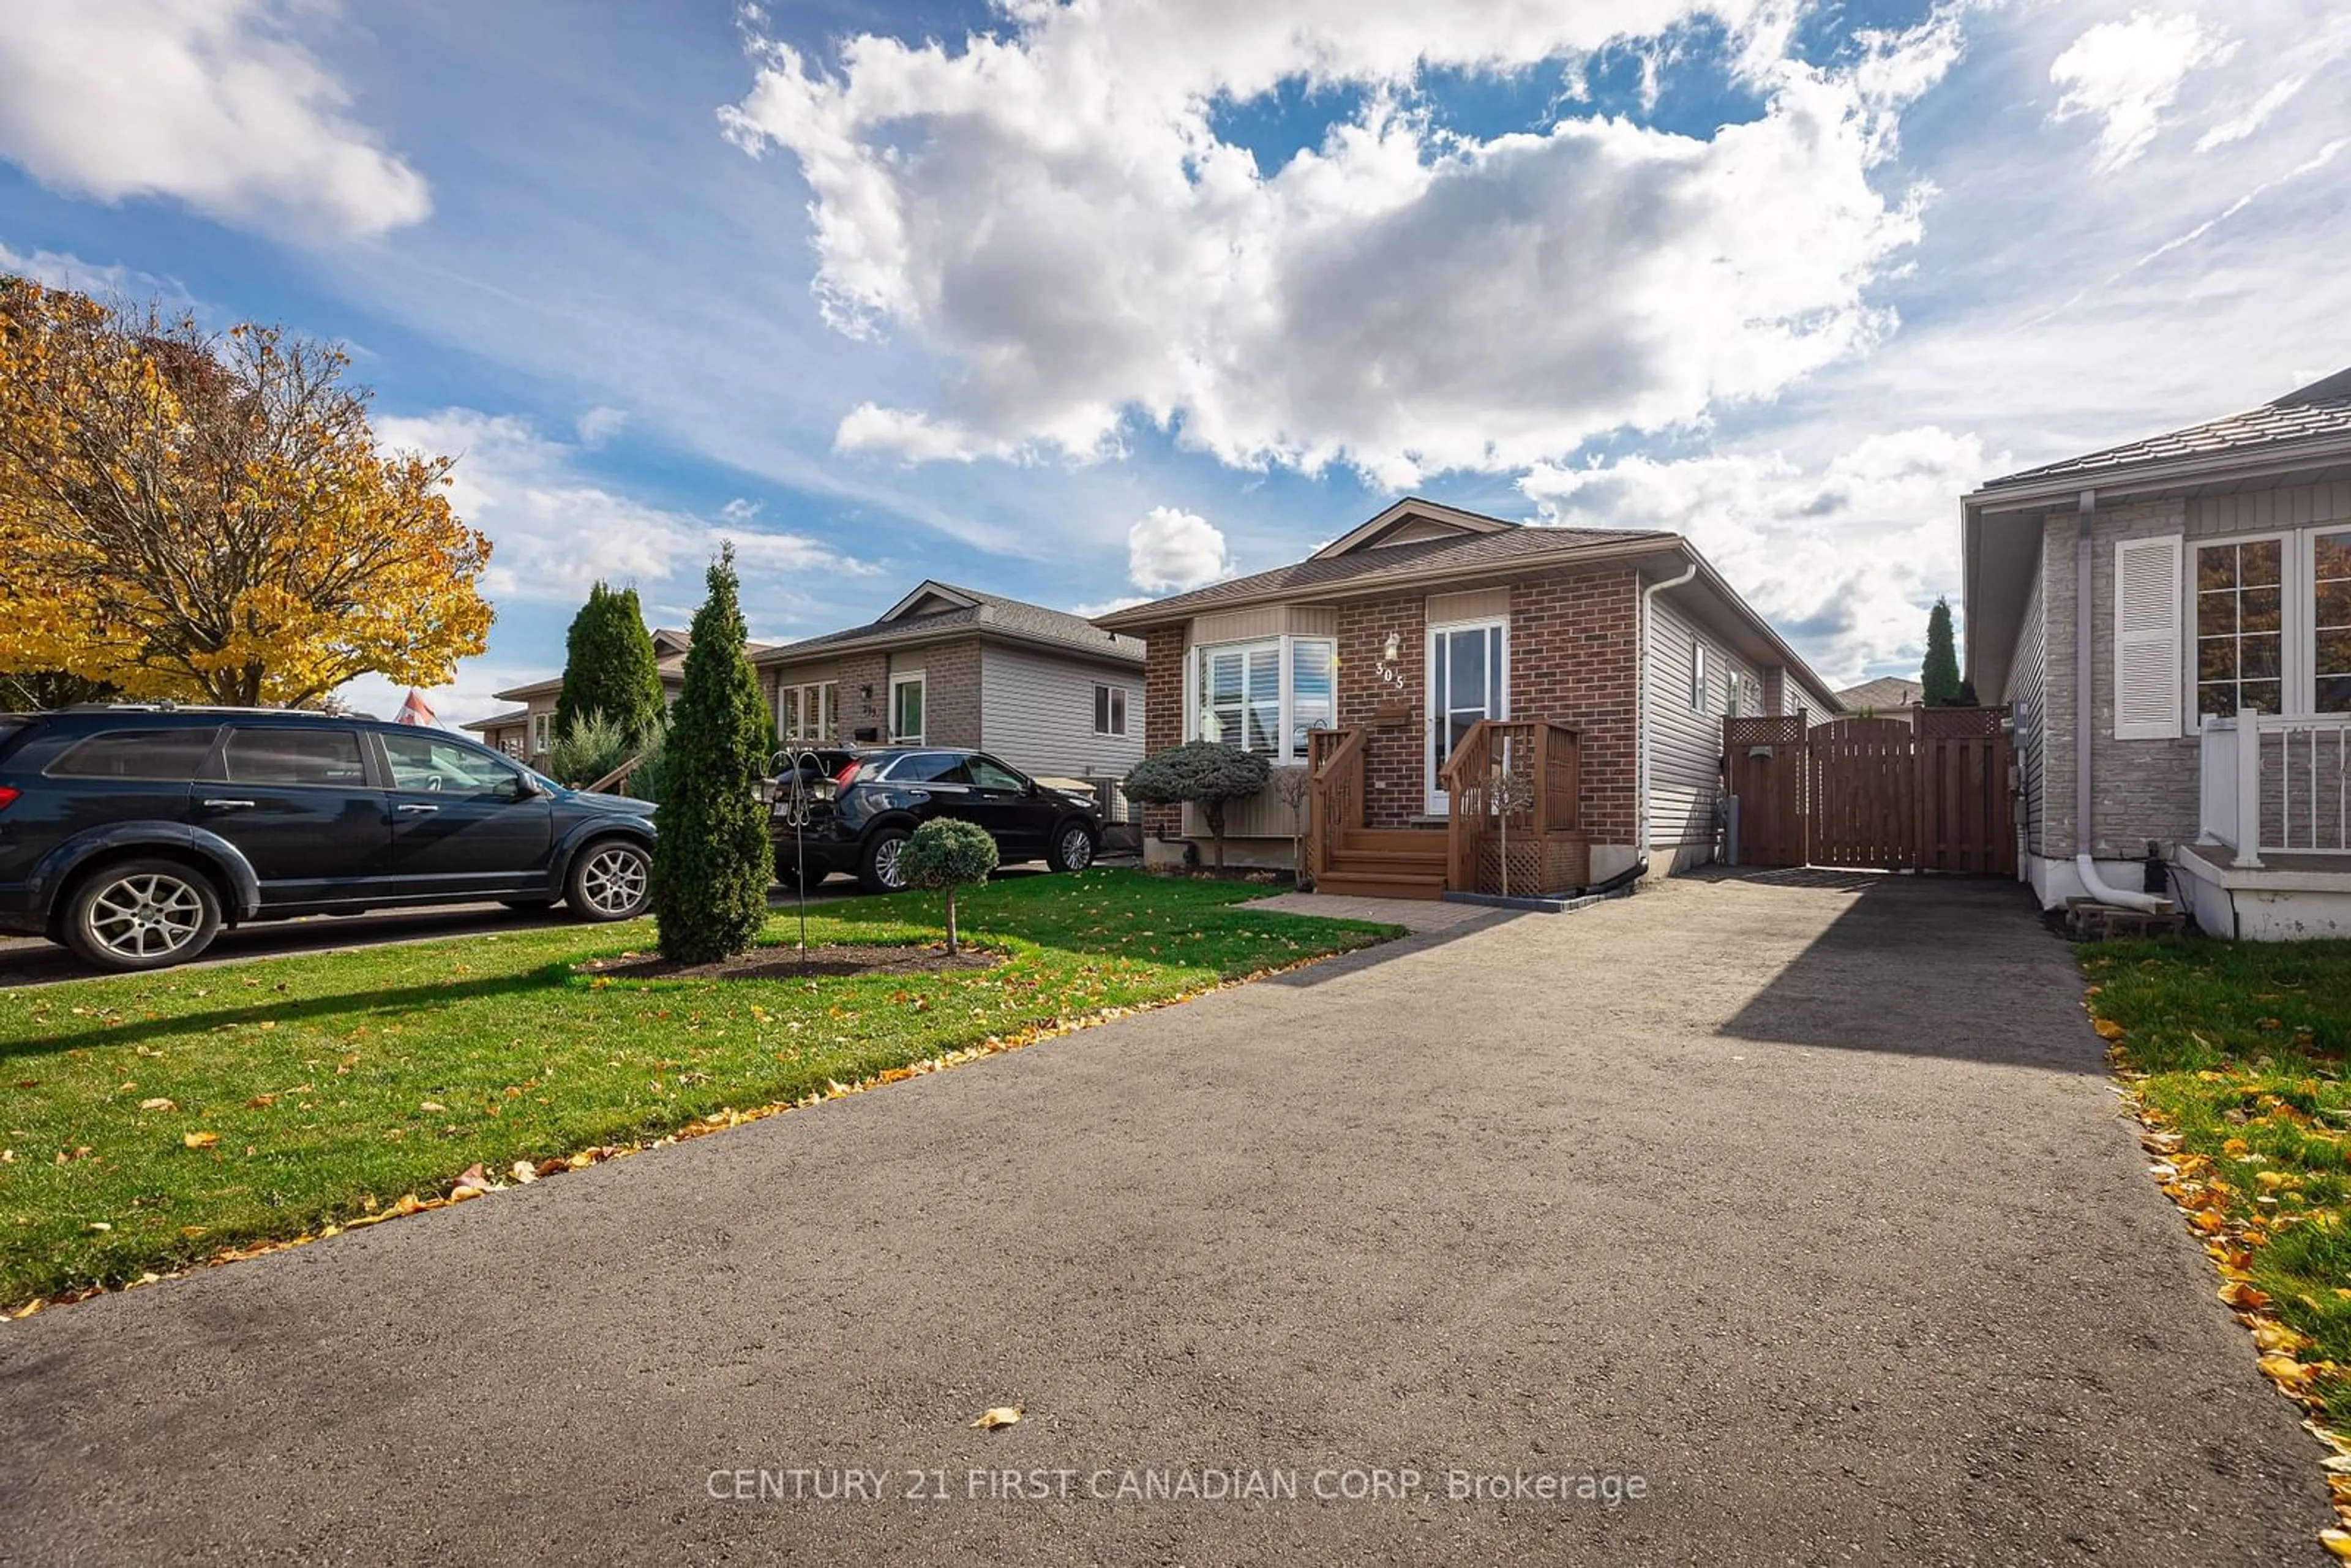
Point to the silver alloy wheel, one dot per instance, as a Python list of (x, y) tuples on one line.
[(1077, 849), (885, 864), (151, 915), (614, 880)]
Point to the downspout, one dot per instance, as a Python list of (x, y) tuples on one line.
[(2083, 729), (1641, 708)]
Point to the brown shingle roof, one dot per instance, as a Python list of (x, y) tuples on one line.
[(1368, 568), (2320, 409), (1033, 623), (1885, 691)]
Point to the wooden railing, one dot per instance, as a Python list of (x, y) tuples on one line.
[(1334, 768), (1515, 779)]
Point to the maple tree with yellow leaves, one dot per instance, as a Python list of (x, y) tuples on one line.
[(208, 517)]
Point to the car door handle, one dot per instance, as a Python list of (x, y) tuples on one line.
[(416, 806), (227, 805)]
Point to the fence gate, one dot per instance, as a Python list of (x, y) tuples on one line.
[(1929, 794), (1763, 765)]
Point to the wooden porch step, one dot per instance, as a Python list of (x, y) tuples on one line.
[(1382, 885), (1389, 865), (1400, 840)]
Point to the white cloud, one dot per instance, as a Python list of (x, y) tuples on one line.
[(1054, 215), (209, 102), (58, 269), (555, 530), (2125, 74), (1845, 556), (1110, 606), (1168, 552), (600, 423)]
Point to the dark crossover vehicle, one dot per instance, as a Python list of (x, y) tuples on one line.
[(861, 804), (132, 834)]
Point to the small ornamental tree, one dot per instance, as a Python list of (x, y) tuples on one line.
[(1940, 673), (948, 854), (1201, 773), (712, 862), (610, 667)]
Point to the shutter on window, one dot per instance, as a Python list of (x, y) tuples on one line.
[(2148, 656)]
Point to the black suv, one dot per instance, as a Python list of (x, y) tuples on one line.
[(132, 834), (863, 803)]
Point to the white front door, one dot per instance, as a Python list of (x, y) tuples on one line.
[(1468, 680)]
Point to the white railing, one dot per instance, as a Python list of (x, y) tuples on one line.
[(2273, 783)]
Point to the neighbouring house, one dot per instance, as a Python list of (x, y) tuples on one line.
[(1434, 664), (528, 733), (1050, 693), (1888, 696), (2171, 620)]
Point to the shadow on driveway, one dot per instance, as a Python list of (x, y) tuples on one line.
[(1925, 966)]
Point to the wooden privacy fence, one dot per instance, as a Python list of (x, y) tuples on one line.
[(1928, 794)]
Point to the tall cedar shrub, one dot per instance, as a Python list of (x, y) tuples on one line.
[(609, 665), (712, 863), (1203, 773), (1940, 673)]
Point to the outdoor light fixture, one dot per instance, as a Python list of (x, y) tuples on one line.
[(1393, 645)]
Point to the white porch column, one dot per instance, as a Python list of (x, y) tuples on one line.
[(2249, 790)]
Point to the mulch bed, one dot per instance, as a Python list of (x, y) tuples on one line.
[(787, 964)]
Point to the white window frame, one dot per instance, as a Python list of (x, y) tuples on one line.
[(897, 683), (542, 732), (1697, 686), (2298, 637), (1286, 707), (2309, 605), (1109, 709), (800, 698)]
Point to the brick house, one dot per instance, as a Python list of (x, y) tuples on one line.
[(1463, 693), (2205, 708), (1049, 693)]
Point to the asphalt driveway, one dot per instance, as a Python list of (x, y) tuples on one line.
[(1805, 1205)]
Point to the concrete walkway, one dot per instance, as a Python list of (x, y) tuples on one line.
[(1807, 1207), (1411, 914)]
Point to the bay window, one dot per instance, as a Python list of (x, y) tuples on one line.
[(2269, 623), (1263, 697)]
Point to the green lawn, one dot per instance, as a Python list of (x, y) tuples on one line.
[(2244, 1046), (154, 1121)]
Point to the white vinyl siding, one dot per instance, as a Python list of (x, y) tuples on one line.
[(2147, 638), (1036, 712), (1685, 739)]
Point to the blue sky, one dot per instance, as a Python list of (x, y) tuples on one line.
[(1084, 304)]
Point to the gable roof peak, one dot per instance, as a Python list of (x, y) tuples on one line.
[(1413, 519)]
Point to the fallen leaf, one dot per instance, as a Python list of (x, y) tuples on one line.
[(2245, 1297), (2268, 1336), (995, 1416), (159, 1104), (200, 1140), (524, 1171), (2108, 1028), (433, 1105), (2338, 1542)]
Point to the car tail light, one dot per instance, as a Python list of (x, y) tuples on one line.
[(848, 773), (8, 796)]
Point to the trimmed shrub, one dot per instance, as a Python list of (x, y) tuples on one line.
[(592, 747), (712, 863), (947, 854), (1202, 773)]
